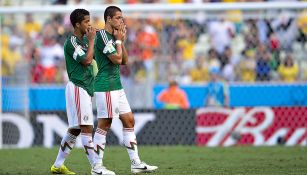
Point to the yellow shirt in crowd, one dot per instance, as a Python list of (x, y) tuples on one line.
[(32, 27), (288, 74), (187, 49)]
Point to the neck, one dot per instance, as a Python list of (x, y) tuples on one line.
[(109, 29), (78, 34)]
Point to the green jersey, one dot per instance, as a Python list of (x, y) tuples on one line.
[(75, 52), (108, 76)]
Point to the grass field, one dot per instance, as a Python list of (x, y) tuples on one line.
[(172, 160)]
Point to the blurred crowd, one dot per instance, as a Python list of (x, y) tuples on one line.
[(93, 2), (236, 47)]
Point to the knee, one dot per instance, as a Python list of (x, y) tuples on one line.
[(128, 122), (104, 124), (74, 131), (131, 122), (86, 128)]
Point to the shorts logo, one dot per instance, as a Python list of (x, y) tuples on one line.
[(116, 110), (85, 118)]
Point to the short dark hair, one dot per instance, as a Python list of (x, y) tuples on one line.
[(77, 16), (173, 83), (110, 11)]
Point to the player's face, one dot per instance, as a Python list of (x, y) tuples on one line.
[(85, 24), (117, 20)]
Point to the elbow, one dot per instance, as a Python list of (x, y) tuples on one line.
[(116, 59), (88, 63), (124, 62), (119, 62)]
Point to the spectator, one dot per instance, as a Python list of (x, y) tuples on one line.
[(213, 60), (251, 34), (37, 68), (263, 30), (263, 68), (289, 70), (148, 40), (10, 55), (230, 61), (302, 25), (161, 47), (221, 33), (225, 57), (274, 44), (217, 90), (174, 97), (199, 74), (246, 68), (5, 55), (286, 30), (51, 56), (31, 27), (185, 47)]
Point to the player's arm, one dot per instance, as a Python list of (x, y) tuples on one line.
[(105, 45), (116, 58), (90, 33), (162, 97), (125, 55)]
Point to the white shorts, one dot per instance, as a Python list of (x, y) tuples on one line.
[(78, 106), (111, 104)]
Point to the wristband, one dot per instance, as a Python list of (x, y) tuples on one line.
[(118, 42)]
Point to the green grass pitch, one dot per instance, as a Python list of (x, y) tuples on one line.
[(172, 160)]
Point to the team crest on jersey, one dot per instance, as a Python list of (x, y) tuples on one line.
[(109, 48)]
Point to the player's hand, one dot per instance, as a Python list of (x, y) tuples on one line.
[(91, 33), (124, 32), (119, 34)]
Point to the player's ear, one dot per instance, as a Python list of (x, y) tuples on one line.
[(78, 25), (109, 18)]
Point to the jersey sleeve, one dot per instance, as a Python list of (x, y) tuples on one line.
[(105, 44), (75, 50)]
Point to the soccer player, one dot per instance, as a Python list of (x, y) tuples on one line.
[(79, 52), (111, 100)]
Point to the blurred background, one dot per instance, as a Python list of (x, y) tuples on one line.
[(228, 72)]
